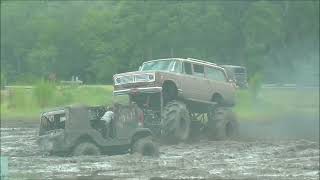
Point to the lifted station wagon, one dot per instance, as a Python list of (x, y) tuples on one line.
[(176, 94)]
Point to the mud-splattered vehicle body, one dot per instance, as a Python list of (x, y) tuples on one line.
[(79, 130), (176, 94)]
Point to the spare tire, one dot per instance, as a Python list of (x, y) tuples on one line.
[(145, 147), (222, 123), (175, 121)]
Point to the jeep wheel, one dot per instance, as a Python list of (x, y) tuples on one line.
[(86, 149), (145, 147), (176, 121), (222, 124)]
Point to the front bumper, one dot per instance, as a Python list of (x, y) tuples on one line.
[(52, 143), (138, 90)]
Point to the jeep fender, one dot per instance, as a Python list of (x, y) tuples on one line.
[(140, 133), (73, 138)]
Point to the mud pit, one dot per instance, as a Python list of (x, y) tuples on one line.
[(272, 159)]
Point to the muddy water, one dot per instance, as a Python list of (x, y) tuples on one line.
[(263, 159)]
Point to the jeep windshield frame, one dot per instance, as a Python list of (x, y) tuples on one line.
[(159, 65)]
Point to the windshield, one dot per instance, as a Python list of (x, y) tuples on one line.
[(162, 65)]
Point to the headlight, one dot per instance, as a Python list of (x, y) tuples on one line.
[(117, 80), (151, 77)]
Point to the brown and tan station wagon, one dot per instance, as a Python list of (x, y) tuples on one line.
[(175, 91)]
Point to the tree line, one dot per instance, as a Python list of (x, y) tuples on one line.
[(96, 39)]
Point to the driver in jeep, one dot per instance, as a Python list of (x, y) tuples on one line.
[(107, 118)]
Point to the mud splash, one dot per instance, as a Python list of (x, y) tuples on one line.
[(271, 159)]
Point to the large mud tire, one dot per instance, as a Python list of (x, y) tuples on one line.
[(175, 122), (86, 149), (195, 131), (170, 93), (222, 124), (145, 146)]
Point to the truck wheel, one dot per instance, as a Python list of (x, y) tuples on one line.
[(232, 127), (145, 147), (86, 149), (222, 124), (176, 121), (195, 131), (170, 92)]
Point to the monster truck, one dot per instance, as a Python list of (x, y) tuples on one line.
[(79, 130), (181, 97)]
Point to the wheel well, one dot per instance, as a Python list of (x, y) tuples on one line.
[(217, 98), (170, 91), (140, 134), (169, 83)]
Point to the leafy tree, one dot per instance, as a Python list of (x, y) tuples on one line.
[(96, 39)]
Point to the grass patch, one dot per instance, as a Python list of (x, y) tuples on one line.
[(28, 103), (270, 103), (277, 103)]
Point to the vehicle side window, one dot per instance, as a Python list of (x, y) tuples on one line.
[(215, 74), (178, 67), (198, 70), (187, 68), (221, 76)]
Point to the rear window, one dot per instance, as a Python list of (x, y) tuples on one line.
[(240, 70), (198, 70), (215, 74)]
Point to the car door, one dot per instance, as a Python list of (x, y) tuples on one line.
[(194, 84)]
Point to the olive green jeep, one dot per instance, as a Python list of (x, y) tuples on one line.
[(79, 130)]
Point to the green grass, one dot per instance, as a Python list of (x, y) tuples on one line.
[(22, 103), (270, 104), (277, 103)]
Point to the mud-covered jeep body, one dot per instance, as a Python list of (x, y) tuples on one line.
[(78, 130), (175, 93)]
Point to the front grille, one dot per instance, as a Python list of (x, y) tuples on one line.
[(133, 78), (141, 78)]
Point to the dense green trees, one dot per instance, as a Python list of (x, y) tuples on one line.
[(95, 39)]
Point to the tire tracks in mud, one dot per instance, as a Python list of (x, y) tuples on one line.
[(261, 158)]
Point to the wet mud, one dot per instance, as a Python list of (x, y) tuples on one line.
[(246, 158)]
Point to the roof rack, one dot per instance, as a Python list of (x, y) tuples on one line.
[(201, 61), (161, 59)]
